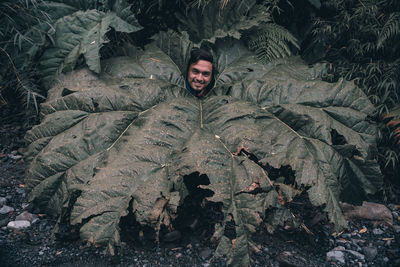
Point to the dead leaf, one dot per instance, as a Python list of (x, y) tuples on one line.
[(91, 240), (393, 123), (233, 243), (15, 231), (157, 209), (281, 199), (141, 235), (251, 188), (268, 227), (306, 229), (364, 230), (337, 234), (59, 253)]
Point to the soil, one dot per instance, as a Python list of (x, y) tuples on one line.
[(308, 245)]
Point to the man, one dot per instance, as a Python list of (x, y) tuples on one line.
[(199, 72)]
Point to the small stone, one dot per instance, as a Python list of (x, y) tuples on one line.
[(358, 241), (3, 201), (346, 236), (339, 248), (393, 207), (15, 157), (26, 216), (395, 214), (386, 259), (172, 236), (17, 225), (335, 255), (396, 228), (205, 253), (377, 231), (286, 258), (356, 254), (6, 209), (370, 252), (35, 220), (41, 253), (4, 222)]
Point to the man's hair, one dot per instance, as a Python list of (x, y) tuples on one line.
[(197, 54)]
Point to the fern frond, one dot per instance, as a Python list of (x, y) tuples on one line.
[(392, 120), (390, 29), (273, 42)]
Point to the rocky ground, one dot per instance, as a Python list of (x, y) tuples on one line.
[(26, 240)]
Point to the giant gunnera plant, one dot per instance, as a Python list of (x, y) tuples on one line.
[(125, 140)]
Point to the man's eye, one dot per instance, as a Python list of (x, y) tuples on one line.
[(195, 71), (206, 74)]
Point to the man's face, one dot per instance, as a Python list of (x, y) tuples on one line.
[(199, 75)]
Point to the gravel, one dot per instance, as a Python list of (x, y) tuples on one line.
[(26, 235)]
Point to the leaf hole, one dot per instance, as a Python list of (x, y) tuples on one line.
[(66, 92), (284, 174), (230, 228), (94, 102), (196, 217), (67, 232), (337, 139), (133, 233)]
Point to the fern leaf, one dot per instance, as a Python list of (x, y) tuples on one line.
[(392, 120), (273, 42), (390, 29)]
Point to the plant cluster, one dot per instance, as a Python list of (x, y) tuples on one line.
[(120, 134), (126, 142), (41, 39), (360, 38)]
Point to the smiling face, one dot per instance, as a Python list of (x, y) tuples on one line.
[(199, 75)]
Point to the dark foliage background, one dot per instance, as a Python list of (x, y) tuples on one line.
[(361, 41), (359, 38)]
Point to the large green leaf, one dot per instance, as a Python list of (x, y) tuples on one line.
[(82, 33), (219, 21), (127, 138)]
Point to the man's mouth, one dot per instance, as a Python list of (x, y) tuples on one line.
[(197, 82)]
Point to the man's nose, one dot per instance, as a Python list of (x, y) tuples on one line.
[(200, 76)]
